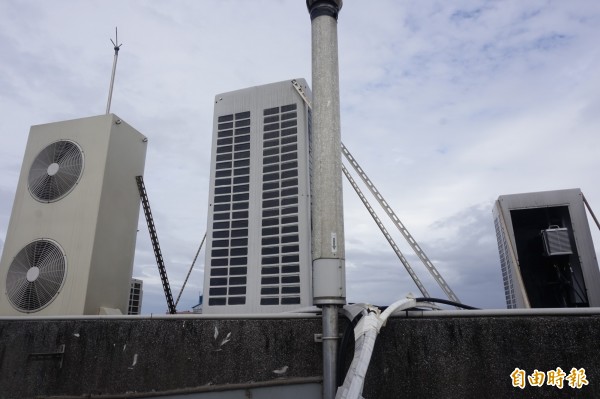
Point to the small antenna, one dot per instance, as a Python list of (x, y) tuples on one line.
[(117, 47)]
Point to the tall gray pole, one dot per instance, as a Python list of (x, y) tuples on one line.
[(116, 47), (329, 277)]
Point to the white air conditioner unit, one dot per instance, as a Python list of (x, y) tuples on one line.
[(71, 239)]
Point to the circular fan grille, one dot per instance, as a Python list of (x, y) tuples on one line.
[(35, 275), (55, 171)]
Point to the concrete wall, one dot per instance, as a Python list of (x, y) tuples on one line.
[(177, 355), (447, 357), (474, 357)]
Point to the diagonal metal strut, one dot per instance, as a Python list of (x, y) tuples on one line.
[(387, 235), (390, 212), (190, 271), (411, 241)]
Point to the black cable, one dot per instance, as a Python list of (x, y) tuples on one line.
[(341, 356), (349, 334), (446, 302)]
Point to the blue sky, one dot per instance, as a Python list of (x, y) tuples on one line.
[(446, 106)]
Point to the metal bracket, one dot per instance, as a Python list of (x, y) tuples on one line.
[(59, 354), (301, 92), (320, 337)]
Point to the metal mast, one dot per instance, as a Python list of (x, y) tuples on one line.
[(329, 280), (117, 47)]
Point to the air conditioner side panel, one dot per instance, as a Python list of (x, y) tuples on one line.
[(118, 213)]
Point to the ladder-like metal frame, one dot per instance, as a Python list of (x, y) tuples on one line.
[(155, 245), (386, 234), (390, 212)]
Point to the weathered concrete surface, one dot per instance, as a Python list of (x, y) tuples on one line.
[(474, 357), (466, 357), (119, 356)]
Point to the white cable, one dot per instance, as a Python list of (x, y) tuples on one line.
[(365, 334)]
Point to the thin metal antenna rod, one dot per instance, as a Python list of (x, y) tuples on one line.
[(117, 47)]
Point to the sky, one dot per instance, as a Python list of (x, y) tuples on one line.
[(446, 105)]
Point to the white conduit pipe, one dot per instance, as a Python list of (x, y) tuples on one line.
[(365, 334)]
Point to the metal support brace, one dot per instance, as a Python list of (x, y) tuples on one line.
[(386, 234), (376, 218), (190, 271), (155, 245), (589, 208), (411, 241)]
